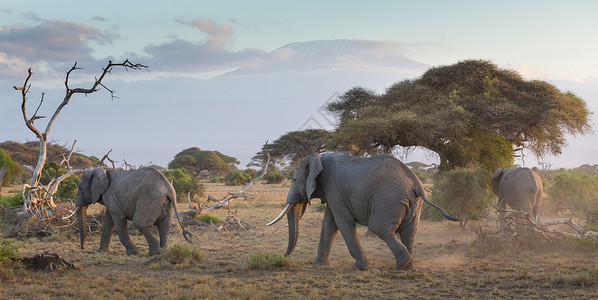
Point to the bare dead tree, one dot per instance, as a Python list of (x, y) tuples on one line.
[(231, 219), (37, 198)]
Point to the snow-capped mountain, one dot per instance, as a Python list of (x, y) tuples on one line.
[(342, 54)]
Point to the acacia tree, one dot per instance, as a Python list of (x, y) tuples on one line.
[(469, 112), (203, 163), (293, 146), (37, 197)]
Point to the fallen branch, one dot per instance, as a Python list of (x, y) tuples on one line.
[(226, 201), (517, 220)]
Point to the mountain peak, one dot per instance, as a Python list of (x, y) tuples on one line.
[(339, 54)]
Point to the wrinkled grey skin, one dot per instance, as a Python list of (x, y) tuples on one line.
[(520, 188), (143, 196), (379, 192)]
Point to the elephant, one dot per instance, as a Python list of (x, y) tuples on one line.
[(380, 192), (144, 196), (520, 188)]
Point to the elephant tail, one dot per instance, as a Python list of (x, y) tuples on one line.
[(449, 217), (186, 234)]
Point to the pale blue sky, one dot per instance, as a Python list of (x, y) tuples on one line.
[(555, 41)]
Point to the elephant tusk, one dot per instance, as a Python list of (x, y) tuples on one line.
[(71, 215), (284, 212)]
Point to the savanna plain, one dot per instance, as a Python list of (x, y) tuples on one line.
[(449, 263)]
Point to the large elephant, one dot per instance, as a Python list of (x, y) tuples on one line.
[(143, 196), (380, 192), (520, 188)]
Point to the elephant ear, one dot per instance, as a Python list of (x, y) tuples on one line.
[(315, 167), (496, 180), (99, 184)]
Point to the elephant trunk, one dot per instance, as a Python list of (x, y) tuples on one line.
[(293, 215), (82, 223)]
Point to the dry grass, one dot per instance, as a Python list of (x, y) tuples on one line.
[(447, 265)]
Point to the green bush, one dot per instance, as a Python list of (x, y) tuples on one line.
[(179, 253), (578, 191), (13, 169), (462, 191), (321, 207), (207, 218), (274, 177), (9, 251), (217, 179), (67, 189), (184, 183), (237, 177), (13, 200), (267, 261)]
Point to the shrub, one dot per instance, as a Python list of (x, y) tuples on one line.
[(217, 179), (13, 200), (179, 253), (267, 261), (13, 169), (274, 177), (207, 218), (578, 191), (9, 251), (237, 177), (184, 183), (463, 191), (67, 189), (321, 207)]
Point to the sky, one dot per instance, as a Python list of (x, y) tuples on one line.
[(231, 75)]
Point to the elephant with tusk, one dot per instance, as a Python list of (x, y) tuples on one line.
[(143, 196), (379, 192)]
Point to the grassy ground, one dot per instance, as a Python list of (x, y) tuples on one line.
[(448, 265)]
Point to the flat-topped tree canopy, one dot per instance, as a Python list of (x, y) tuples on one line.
[(468, 112)]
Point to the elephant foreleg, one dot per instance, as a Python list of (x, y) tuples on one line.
[(106, 233), (349, 233), (329, 231), (123, 235)]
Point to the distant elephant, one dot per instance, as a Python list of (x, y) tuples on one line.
[(520, 188), (379, 192), (143, 196)]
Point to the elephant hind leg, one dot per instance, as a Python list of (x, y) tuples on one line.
[(387, 232), (146, 229), (163, 231)]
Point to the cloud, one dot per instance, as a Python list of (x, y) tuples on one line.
[(209, 54), (33, 16), (13, 68), (99, 19), (51, 43)]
